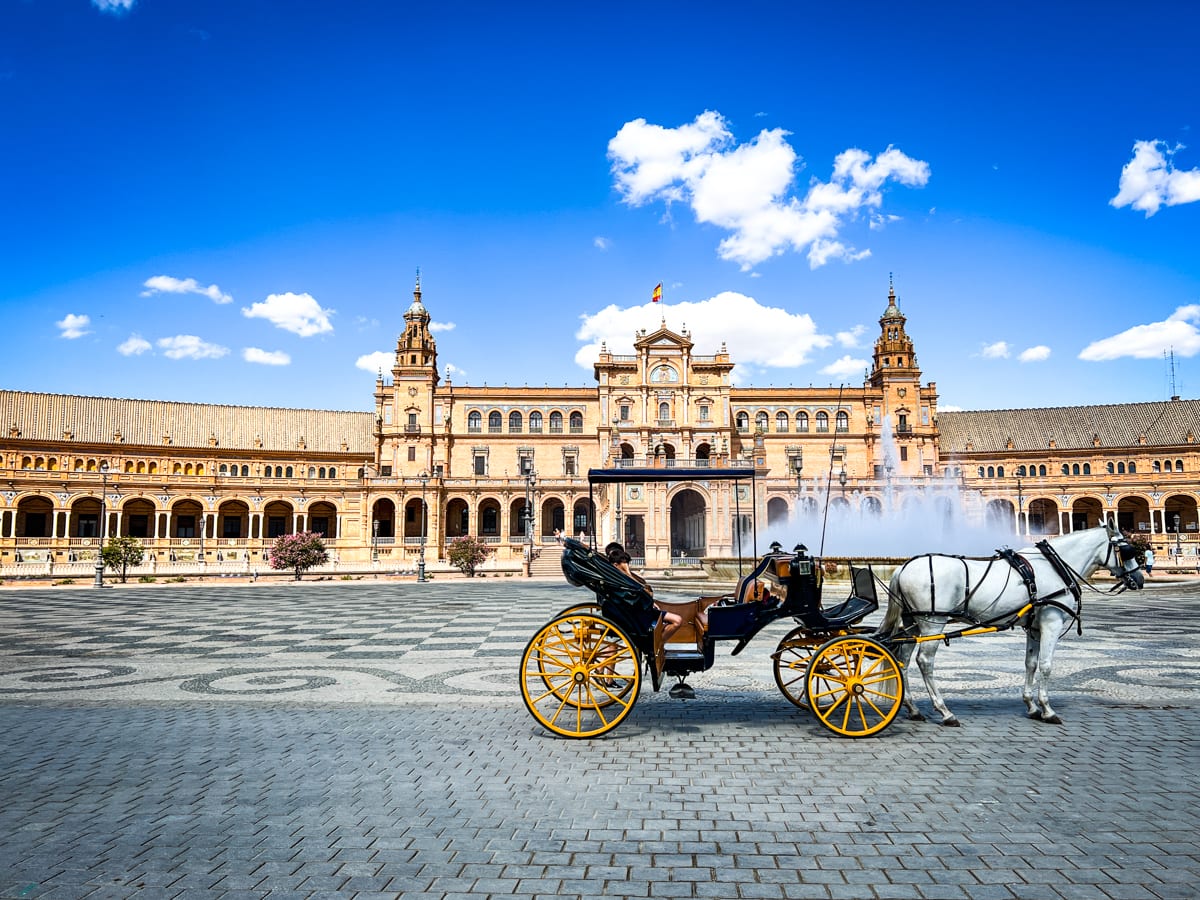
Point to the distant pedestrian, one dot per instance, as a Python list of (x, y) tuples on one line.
[(1148, 565)]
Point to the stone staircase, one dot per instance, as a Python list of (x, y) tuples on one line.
[(548, 563)]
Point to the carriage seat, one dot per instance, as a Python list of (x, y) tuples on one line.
[(584, 567), (862, 601)]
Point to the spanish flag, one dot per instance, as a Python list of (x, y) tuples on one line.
[(657, 295)]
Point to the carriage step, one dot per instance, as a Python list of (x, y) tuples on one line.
[(684, 655)]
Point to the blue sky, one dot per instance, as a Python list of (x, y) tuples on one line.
[(228, 201)]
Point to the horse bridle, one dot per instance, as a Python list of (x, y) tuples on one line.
[(1125, 551)]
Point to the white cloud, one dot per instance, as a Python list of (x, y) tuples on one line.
[(73, 326), (298, 313), (188, 346), (755, 335), (1149, 180), (949, 408), (998, 350), (167, 285), (266, 357), (601, 243), (376, 362), (134, 345), (850, 338), (846, 366), (116, 7), (441, 326), (1177, 332), (454, 371), (1035, 354), (745, 188)]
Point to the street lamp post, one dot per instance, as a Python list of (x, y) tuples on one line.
[(530, 481), (798, 471), (842, 478), (99, 582), (375, 541), (1178, 547), (424, 479), (1020, 507)]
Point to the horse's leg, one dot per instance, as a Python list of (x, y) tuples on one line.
[(1050, 628), (1031, 666), (903, 654), (926, 654)]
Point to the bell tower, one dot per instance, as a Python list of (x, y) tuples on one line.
[(406, 410), (894, 358)]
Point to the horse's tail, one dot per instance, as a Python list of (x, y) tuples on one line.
[(893, 617)]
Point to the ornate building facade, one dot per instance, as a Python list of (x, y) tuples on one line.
[(212, 486)]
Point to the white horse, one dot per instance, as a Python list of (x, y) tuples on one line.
[(929, 591)]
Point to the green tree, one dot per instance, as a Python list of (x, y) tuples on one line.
[(298, 552), (121, 553), (466, 552)]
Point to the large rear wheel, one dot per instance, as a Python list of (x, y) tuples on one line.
[(853, 686), (580, 675)]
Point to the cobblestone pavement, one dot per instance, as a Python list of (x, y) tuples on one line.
[(355, 739)]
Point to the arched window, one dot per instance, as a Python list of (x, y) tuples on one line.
[(266, 471), (287, 472), (245, 471), (279, 471), (822, 421), (1156, 466), (1166, 465), (1075, 469), (177, 469), (982, 471), (1066, 469), (1133, 468), (535, 423), (220, 471), (1020, 471), (999, 471), (495, 422), (1087, 468), (781, 422), (991, 472), (1041, 470), (556, 423), (474, 421), (332, 472), (1120, 468), (1179, 465), (843, 422), (802, 422), (761, 422), (743, 422), (516, 422), (1111, 469), (312, 471), (664, 411), (576, 423)]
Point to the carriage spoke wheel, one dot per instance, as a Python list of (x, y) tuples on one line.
[(853, 686), (791, 663), (580, 675)]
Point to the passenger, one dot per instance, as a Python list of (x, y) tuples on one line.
[(618, 557)]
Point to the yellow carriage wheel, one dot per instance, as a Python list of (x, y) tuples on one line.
[(791, 663), (580, 675), (853, 686)]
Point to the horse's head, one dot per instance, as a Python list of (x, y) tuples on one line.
[(1122, 561)]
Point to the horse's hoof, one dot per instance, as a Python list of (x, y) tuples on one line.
[(917, 717), (951, 723), (1051, 720)]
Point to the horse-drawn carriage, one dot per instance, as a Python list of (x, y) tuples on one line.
[(582, 672)]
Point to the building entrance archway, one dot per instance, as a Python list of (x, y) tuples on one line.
[(688, 515)]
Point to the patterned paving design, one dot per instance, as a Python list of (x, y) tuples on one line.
[(353, 643)]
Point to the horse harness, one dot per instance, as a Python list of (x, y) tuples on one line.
[(1024, 570)]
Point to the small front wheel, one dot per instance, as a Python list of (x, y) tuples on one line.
[(790, 660), (854, 686), (580, 675)]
